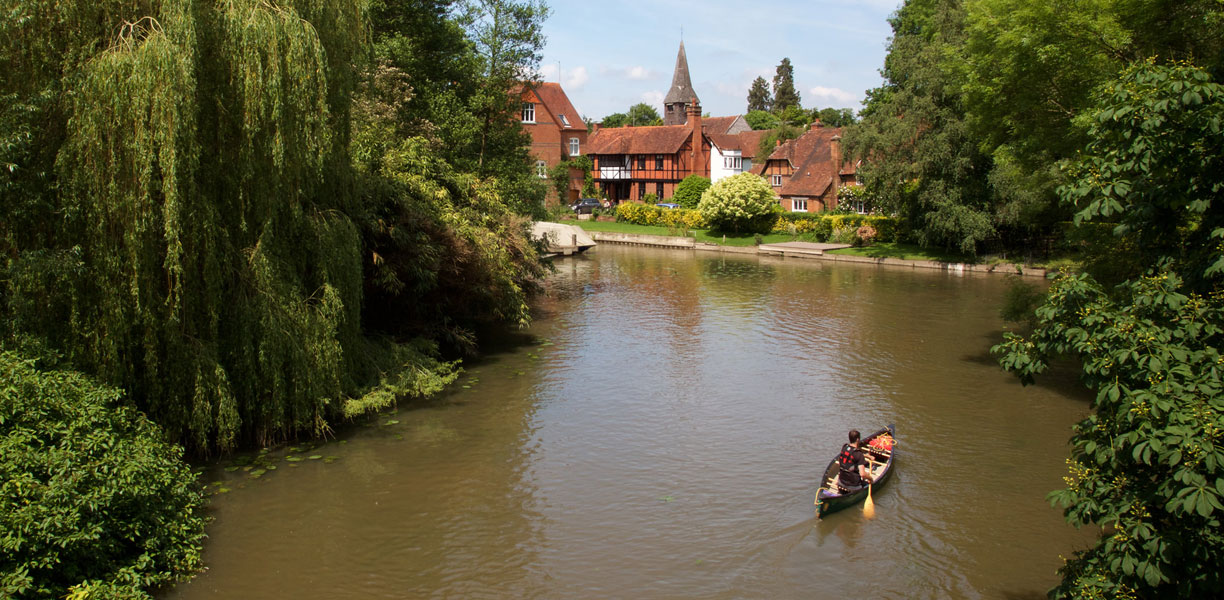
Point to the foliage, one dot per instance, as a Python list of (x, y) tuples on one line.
[(924, 163), (638, 115), (689, 191), (781, 134), (615, 120), (643, 114), (886, 229), (759, 119), (784, 93), (854, 198), (637, 213), (560, 177), (94, 501), (198, 235), (1155, 164), (1147, 465), (759, 98), (742, 202), (834, 117)]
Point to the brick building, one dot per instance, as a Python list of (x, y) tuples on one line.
[(557, 132), (805, 173)]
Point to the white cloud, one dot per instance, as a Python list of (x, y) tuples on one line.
[(576, 78), (827, 96), (571, 80), (634, 73), (653, 98)]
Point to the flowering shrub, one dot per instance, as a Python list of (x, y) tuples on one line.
[(822, 226), (637, 213), (643, 214), (743, 202)]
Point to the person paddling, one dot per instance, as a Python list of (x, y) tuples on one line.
[(853, 465)]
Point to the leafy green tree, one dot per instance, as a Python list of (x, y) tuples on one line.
[(742, 202), (926, 166), (642, 114), (1147, 466), (834, 117), (615, 120), (96, 504), (759, 119), (784, 93), (689, 191), (781, 134), (759, 98)]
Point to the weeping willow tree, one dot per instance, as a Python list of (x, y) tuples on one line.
[(202, 254)]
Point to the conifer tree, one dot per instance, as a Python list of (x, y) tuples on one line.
[(758, 95), (784, 93)]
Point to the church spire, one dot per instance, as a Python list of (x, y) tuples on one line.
[(681, 92)]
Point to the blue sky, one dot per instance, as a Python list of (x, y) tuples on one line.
[(617, 53)]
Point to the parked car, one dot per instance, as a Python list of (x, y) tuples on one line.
[(584, 206), (667, 205)]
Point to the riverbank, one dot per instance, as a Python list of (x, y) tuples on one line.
[(787, 247)]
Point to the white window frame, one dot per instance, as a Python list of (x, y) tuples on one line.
[(775, 180), (564, 121), (529, 112), (735, 163), (574, 146), (796, 203), (542, 169)]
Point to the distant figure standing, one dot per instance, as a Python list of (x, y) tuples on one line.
[(854, 472)]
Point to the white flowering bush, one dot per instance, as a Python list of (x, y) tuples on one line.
[(740, 203)]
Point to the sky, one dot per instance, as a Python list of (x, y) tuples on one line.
[(614, 54)]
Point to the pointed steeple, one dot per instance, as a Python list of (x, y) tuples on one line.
[(681, 92)]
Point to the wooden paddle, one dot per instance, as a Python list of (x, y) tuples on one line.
[(868, 505)]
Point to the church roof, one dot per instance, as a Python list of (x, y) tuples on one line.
[(682, 87)]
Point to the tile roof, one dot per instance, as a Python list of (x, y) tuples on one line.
[(662, 139), (554, 98), (811, 157), (746, 142), (721, 125)]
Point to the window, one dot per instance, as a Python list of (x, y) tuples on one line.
[(733, 162), (541, 169), (775, 180), (641, 190), (659, 165), (799, 204), (641, 163), (573, 146), (528, 112), (564, 121), (659, 190)]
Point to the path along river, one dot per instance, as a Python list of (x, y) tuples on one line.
[(658, 433)]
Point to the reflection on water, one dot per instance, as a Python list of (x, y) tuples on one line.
[(659, 435)]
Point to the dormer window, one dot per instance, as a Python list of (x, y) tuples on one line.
[(529, 112)]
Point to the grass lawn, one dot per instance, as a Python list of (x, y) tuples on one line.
[(882, 250)]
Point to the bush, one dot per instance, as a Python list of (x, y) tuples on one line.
[(650, 199), (743, 202), (642, 214), (688, 193), (637, 213), (93, 500), (822, 225)]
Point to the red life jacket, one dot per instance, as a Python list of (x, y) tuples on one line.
[(849, 468)]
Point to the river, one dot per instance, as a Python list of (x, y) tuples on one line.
[(658, 432)]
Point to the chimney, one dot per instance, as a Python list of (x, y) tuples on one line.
[(700, 164), (835, 149)]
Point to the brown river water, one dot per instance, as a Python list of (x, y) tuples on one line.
[(658, 432)]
